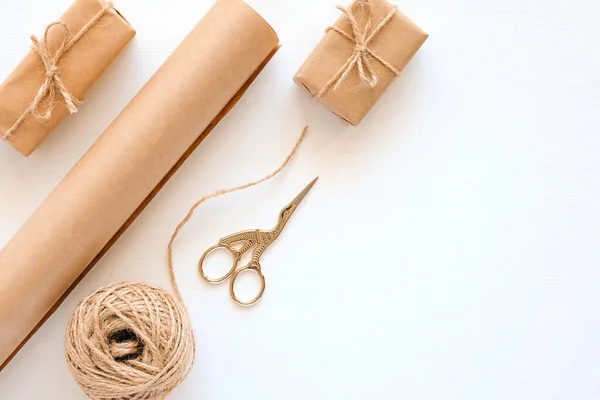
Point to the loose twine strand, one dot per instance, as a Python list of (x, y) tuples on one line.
[(53, 86), (218, 193), (361, 54), (134, 341)]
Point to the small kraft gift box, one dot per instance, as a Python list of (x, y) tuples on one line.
[(63, 64), (359, 57)]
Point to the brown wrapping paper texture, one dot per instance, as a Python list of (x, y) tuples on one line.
[(130, 161), (79, 68), (396, 43)]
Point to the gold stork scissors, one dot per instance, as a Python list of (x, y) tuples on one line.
[(240, 243)]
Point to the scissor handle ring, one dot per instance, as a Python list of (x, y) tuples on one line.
[(236, 259), (257, 271)]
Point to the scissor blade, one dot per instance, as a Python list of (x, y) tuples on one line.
[(303, 193)]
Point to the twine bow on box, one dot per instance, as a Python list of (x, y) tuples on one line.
[(361, 55), (53, 89)]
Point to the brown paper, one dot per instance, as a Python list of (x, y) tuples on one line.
[(396, 43), (128, 164), (79, 68)]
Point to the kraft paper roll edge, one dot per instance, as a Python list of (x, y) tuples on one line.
[(131, 161)]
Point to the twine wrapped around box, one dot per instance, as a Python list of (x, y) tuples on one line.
[(360, 37), (359, 57), (53, 87), (52, 79)]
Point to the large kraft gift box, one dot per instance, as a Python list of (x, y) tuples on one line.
[(359, 57), (70, 74)]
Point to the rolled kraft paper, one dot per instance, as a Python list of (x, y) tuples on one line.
[(78, 69), (128, 164)]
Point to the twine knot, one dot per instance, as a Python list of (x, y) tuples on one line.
[(53, 90), (52, 70), (361, 55), (53, 86), (360, 48)]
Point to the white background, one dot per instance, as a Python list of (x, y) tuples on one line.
[(449, 250)]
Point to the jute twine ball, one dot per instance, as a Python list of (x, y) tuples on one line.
[(130, 341)]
